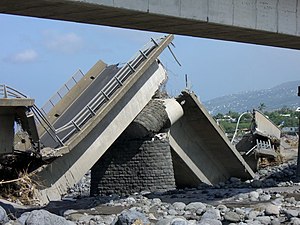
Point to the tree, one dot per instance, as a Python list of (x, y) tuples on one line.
[(261, 107), (219, 116)]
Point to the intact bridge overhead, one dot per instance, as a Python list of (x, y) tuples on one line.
[(265, 22)]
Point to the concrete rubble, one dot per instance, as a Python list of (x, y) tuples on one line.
[(262, 144)]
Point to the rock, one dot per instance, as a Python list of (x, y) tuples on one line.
[(291, 200), (253, 222), (295, 221), (240, 212), (156, 201), (22, 219), (110, 219), (74, 216), (275, 221), (172, 212), (68, 212), (256, 184), (222, 208), (253, 214), (130, 200), (13, 222), (291, 213), (179, 221), (277, 201), (208, 221), (242, 196), (253, 195), (172, 221), (166, 221), (272, 210), (263, 219), (270, 182), (37, 217), (212, 214), (85, 219), (194, 206), (3, 216), (9, 208), (232, 216), (235, 180), (179, 205), (128, 217), (264, 197)]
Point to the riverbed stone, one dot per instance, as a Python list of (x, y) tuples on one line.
[(232, 216)]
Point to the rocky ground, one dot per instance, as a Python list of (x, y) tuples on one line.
[(272, 197)]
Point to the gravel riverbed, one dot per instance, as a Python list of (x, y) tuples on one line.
[(272, 197)]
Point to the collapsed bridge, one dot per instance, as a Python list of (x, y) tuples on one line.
[(118, 122)]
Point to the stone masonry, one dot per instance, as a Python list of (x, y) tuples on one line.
[(140, 160), (133, 166)]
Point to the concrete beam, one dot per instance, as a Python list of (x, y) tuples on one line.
[(11, 103), (264, 22), (203, 147)]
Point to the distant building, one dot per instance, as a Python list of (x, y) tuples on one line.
[(290, 130)]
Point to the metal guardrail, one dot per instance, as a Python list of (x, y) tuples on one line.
[(8, 92), (62, 92), (63, 133)]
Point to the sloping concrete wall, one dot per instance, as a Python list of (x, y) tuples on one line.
[(203, 147)]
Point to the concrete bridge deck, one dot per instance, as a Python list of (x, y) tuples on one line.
[(87, 144)]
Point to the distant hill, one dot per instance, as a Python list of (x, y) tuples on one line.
[(274, 98)]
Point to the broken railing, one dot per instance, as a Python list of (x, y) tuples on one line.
[(63, 133), (62, 92), (8, 92)]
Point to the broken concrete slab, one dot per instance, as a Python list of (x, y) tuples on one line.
[(89, 143), (206, 153)]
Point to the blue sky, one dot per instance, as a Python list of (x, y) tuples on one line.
[(38, 56)]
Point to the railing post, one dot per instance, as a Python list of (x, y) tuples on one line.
[(5, 91)]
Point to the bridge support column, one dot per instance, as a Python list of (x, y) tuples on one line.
[(7, 133), (133, 166), (140, 160), (10, 110)]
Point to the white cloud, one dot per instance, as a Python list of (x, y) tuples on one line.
[(64, 43), (26, 56)]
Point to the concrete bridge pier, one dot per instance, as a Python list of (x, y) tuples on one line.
[(11, 110), (140, 160)]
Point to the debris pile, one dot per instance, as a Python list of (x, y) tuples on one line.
[(261, 147)]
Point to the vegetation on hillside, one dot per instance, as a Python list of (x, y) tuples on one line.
[(284, 117)]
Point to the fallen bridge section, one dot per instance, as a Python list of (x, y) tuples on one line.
[(98, 133), (201, 151)]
